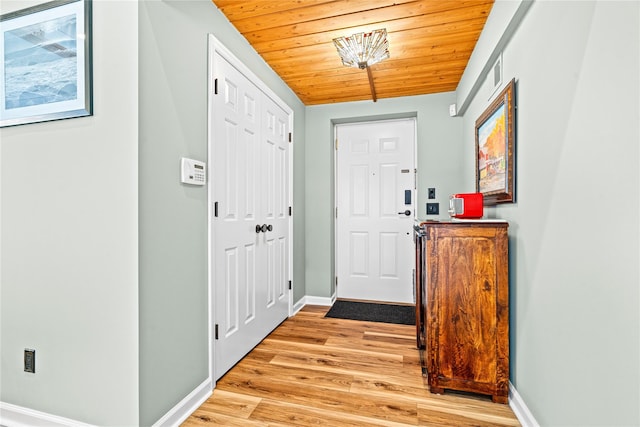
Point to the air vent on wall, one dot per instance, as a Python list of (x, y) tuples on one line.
[(496, 75)]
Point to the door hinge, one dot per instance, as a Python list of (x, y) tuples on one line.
[(336, 144), (216, 331), (215, 86), (289, 284), (336, 281), (290, 137), (336, 212), (215, 209), (290, 211)]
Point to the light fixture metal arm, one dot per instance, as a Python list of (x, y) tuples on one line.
[(371, 85)]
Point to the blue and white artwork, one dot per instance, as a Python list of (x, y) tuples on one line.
[(45, 63), (41, 63)]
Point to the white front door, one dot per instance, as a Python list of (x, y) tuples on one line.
[(375, 198), (250, 226)]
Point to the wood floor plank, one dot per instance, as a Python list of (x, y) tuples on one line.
[(223, 408), (328, 351), (476, 409), (338, 365), (329, 400), (314, 370), (440, 419), (432, 417), (233, 404), (298, 336), (405, 349), (390, 389), (297, 415), (294, 375)]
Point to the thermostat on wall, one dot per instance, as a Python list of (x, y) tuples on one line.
[(193, 172)]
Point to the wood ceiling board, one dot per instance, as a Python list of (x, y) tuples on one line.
[(407, 38), (328, 56), (329, 17), (401, 67), (381, 81), (430, 42), (323, 30), (417, 71), (339, 26), (328, 11), (239, 9), (274, 42), (405, 67)]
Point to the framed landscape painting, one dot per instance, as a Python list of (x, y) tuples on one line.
[(495, 141), (46, 63)]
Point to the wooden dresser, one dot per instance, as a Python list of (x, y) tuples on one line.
[(462, 306)]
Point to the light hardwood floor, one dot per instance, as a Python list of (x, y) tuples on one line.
[(315, 371)]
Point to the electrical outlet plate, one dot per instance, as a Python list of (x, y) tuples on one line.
[(433, 208), (30, 360), (431, 193)]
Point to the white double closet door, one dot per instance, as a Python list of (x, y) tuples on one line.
[(249, 154)]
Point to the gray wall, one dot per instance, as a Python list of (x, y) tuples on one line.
[(94, 221), (439, 141), (174, 349), (574, 232), (69, 245)]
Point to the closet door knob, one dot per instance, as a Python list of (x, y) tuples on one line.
[(263, 228)]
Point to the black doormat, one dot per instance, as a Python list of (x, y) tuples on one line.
[(372, 312)]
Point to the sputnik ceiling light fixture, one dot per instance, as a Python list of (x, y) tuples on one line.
[(362, 50)]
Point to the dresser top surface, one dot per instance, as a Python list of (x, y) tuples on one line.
[(468, 222)]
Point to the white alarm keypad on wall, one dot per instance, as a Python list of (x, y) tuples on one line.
[(193, 172)]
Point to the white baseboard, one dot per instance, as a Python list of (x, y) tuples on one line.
[(17, 416), (186, 406), (298, 306), (520, 408), (311, 300)]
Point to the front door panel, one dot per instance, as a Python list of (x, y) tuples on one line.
[(374, 236)]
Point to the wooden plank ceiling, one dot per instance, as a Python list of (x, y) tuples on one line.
[(430, 42)]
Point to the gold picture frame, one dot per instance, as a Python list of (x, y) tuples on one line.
[(495, 142)]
